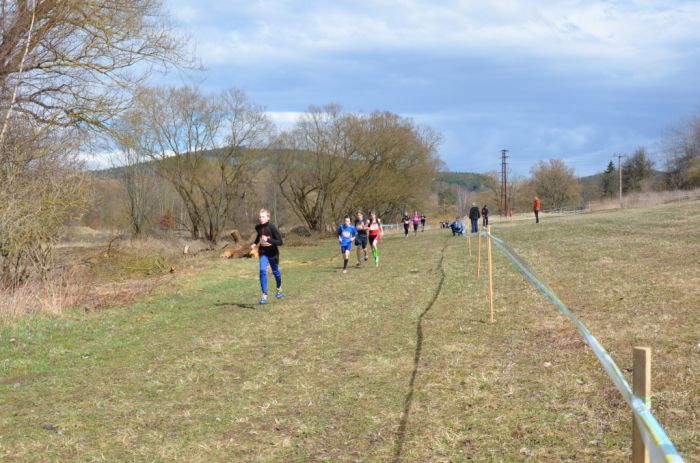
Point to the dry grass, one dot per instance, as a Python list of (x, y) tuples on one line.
[(49, 296), (94, 274), (388, 364)]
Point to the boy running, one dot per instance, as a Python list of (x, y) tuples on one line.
[(406, 220), (422, 222), (268, 238), (361, 238), (376, 231), (346, 234)]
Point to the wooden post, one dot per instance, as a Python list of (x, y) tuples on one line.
[(469, 244), (488, 253), (641, 387), (478, 256)]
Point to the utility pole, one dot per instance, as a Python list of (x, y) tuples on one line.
[(619, 171), (504, 183)]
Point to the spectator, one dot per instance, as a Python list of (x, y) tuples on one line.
[(485, 216), (457, 227), (474, 216)]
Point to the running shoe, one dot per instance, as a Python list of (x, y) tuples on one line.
[(345, 270), (279, 293), (263, 299)]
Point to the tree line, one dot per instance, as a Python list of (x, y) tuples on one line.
[(216, 151)]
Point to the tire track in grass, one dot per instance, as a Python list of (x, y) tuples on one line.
[(408, 401)]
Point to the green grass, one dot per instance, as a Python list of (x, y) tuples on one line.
[(396, 363)]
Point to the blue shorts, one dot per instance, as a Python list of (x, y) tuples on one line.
[(345, 248)]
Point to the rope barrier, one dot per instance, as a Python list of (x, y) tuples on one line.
[(659, 446)]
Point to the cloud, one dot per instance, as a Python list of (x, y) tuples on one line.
[(632, 37), (573, 79)]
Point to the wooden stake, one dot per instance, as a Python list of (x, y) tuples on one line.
[(469, 244), (488, 253), (478, 256), (641, 387)]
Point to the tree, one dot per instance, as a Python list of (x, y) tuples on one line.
[(333, 162), (636, 170), (41, 187), (66, 68), (136, 175), (556, 184), (446, 199), (608, 181), (683, 156), (205, 146), (71, 62)]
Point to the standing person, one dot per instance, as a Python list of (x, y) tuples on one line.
[(376, 231), (422, 222), (268, 239), (485, 216), (416, 220), (346, 234), (361, 226), (536, 206), (474, 216), (406, 220)]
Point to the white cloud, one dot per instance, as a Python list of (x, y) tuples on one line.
[(638, 34)]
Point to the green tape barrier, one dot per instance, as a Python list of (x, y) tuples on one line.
[(659, 446)]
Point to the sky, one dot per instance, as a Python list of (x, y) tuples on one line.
[(576, 80)]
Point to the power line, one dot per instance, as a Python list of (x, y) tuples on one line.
[(619, 170), (504, 183)]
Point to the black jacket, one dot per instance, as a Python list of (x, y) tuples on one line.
[(474, 213), (273, 237)]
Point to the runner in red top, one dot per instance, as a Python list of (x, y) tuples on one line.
[(375, 234)]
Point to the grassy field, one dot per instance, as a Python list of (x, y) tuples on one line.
[(388, 364)]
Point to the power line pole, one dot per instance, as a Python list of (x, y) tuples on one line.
[(504, 183), (619, 171)]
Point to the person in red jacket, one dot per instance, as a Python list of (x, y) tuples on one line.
[(536, 206)]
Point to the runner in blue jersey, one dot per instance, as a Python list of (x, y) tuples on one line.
[(346, 234)]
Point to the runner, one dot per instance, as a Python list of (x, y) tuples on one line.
[(406, 220), (376, 231), (416, 221), (422, 222), (346, 234), (361, 238), (268, 238)]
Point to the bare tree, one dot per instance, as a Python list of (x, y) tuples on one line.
[(41, 187), (205, 146), (637, 169), (135, 174), (70, 62), (66, 67), (556, 184), (333, 162), (682, 146)]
